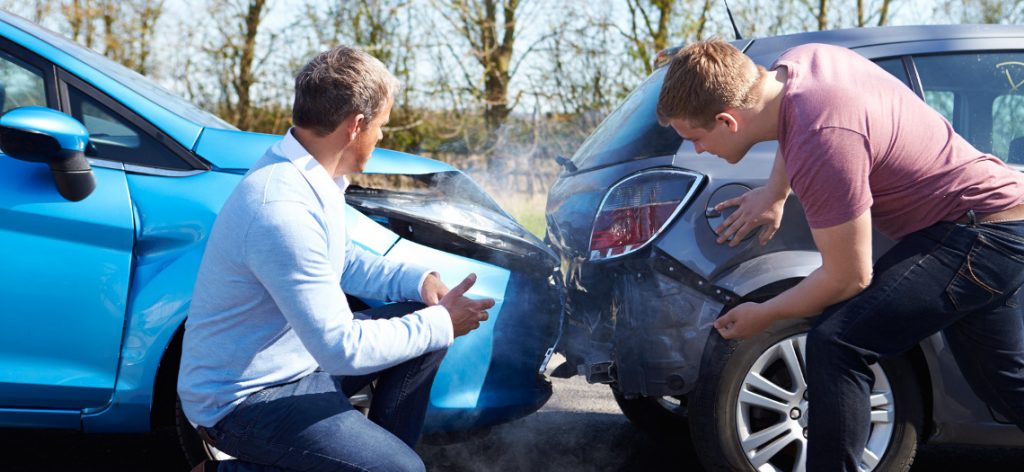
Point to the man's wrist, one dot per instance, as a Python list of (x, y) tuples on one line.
[(423, 282)]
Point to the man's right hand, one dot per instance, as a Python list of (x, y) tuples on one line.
[(466, 313)]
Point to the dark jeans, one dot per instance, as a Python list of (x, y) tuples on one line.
[(309, 424), (963, 280)]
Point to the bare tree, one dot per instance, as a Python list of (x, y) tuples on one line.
[(881, 13), (490, 28), (122, 30), (982, 11), (233, 50), (657, 24)]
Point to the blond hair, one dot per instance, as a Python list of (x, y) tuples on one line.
[(703, 79)]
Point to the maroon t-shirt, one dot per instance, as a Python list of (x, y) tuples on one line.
[(854, 138)]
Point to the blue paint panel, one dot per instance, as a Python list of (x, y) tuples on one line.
[(367, 233), (56, 419), (386, 161), (64, 282), (461, 377), (229, 149), (175, 216)]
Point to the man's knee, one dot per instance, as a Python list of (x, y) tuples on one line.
[(433, 359), (402, 460)]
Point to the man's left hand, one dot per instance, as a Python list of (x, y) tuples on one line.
[(744, 321), (432, 290)]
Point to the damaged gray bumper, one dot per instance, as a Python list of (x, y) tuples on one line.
[(641, 325)]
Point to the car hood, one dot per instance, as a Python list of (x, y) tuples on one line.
[(239, 150)]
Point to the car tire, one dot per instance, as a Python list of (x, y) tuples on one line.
[(663, 416), (720, 419)]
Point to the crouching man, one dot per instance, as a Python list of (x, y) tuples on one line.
[(272, 350)]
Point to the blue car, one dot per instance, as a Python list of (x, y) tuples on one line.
[(108, 189)]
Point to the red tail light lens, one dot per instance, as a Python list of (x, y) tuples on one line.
[(637, 209)]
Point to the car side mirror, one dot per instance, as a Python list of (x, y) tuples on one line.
[(39, 134)]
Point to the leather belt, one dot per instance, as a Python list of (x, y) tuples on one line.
[(1010, 214)]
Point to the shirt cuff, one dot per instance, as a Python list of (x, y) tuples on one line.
[(442, 333), (423, 279)]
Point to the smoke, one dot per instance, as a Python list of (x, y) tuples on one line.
[(580, 429)]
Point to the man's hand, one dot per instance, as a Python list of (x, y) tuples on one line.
[(432, 290), (466, 313), (744, 321), (758, 207)]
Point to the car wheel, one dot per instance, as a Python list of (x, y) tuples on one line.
[(749, 410), (659, 415)]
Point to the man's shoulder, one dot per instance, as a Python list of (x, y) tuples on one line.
[(275, 179)]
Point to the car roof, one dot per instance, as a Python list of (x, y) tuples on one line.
[(854, 38)]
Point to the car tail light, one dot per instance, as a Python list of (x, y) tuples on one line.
[(637, 209)]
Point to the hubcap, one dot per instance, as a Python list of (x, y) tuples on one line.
[(772, 411)]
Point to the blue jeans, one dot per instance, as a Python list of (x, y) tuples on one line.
[(309, 424), (961, 279)]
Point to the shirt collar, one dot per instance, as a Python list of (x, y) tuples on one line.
[(322, 182)]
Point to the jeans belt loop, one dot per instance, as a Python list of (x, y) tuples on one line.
[(972, 219)]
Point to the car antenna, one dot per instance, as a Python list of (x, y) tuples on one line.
[(732, 20)]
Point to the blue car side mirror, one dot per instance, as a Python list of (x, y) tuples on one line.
[(39, 134)]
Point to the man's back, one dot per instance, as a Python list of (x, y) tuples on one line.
[(854, 137)]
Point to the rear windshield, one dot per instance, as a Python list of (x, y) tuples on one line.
[(631, 132)]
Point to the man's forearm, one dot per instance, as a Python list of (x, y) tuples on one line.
[(778, 181), (812, 295)]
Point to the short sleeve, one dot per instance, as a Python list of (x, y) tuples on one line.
[(829, 172)]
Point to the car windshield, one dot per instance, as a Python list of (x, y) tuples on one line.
[(631, 132), (137, 82)]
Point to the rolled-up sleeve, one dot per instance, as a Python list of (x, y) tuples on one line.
[(286, 248)]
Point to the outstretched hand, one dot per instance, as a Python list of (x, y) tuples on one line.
[(758, 207), (465, 312)]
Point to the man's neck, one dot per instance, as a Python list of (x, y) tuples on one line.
[(327, 150), (771, 101)]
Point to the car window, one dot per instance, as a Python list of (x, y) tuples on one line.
[(981, 96), (115, 138), (631, 131), (894, 66), (20, 84)]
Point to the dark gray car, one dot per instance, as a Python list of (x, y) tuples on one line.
[(632, 219)]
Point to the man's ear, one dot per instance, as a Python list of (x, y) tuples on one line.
[(353, 125), (728, 118)]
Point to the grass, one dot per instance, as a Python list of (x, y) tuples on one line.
[(527, 209)]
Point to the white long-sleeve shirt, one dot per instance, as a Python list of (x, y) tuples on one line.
[(268, 306)]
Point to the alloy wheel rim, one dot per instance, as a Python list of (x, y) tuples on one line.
[(772, 411)]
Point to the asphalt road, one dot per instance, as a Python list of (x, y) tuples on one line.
[(580, 429)]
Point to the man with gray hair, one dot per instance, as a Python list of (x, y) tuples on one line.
[(272, 350)]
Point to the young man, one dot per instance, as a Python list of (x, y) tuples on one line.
[(860, 150), (272, 350)]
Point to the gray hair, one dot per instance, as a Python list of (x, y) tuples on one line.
[(339, 83)]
